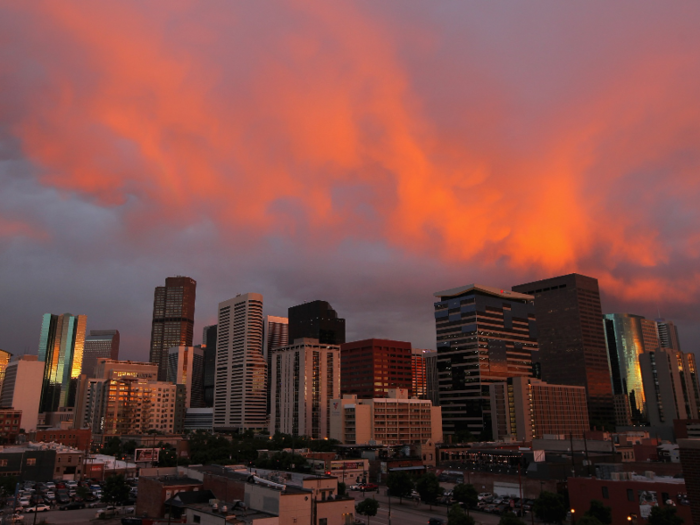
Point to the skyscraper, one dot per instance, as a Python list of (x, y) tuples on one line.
[(61, 350), (186, 367), (173, 319), (663, 386), (275, 335), (316, 320), (209, 346), (240, 391), (571, 339), (99, 343), (668, 334), (4, 361), (484, 335), (22, 388), (370, 368), (627, 337), (419, 373)]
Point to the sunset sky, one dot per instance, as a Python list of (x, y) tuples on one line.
[(365, 153)]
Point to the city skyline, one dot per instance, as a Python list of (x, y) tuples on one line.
[(272, 149)]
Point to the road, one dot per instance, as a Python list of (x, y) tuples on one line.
[(72, 517)]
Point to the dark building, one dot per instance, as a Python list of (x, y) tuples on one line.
[(26, 463), (316, 320), (572, 340), (99, 343), (209, 346), (369, 368), (690, 461), (173, 320), (484, 335)]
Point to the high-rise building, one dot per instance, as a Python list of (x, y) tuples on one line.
[(571, 339), (173, 319), (209, 347), (240, 392), (114, 369), (668, 334), (419, 373), (275, 334), (371, 367), (61, 350), (305, 377), (525, 408), (661, 378), (21, 388), (186, 367), (4, 361), (692, 382), (484, 335), (316, 320), (99, 343), (627, 337), (431, 375)]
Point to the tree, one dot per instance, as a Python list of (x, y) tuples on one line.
[(7, 485), (367, 507), (510, 519), (587, 519), (342, 488), (82, 492), (400, 485), (599, 511), (456, 516), (466, 494), (112, 447), (664, 516), (429, 489), (116, 490), (550, 507)]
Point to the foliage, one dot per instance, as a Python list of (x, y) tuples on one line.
[(283, 461), (7, 485), (342, 489), (587, 519), (456, 516), (129, 446), (599, 511), (367, 507), (400, 485), (116, 490), (82, 492), (429, 488), (167, 456), (467, 494), (550, 507), (510, 519), (664, 516), (112, 447)]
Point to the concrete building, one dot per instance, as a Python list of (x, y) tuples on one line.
[(484, 335), (186, 367), (199, 419), (4, 361), (395, 420), (61, 346), (690, 460), (173, 319), (209, 346), (113, 369), (662, 378), (316, 320), (419, 373), (21, 388), (240, 396), (525, 408), (431, 375), (370, 368), (99, 343), (571, 339), (305, 376)]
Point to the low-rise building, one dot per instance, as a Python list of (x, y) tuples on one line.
[(10, 423), (389, 421), (76, 438)]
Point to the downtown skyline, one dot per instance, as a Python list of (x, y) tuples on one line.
[(362, 154)]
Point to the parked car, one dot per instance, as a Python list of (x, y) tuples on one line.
[(72, 506), (16, 518), (485, 495), (38, 508), (436, 521), (415, 495), (368, 487)]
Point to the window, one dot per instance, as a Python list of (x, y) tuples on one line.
[(3, 462), (197, 518), (323, 521), (606, 495), (31, 462)]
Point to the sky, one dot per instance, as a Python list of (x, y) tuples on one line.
[(364, 153)]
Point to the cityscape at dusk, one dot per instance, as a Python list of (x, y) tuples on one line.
[(257, 252)]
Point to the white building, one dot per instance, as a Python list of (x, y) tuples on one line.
[(21, 388), (186, 367), (305, 376), (240, 386)]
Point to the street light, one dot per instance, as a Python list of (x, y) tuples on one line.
[(573, 516)]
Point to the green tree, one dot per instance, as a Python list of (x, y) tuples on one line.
[(342, 488), (510, 519), (550, 507), (587, 519), (400, 485), (457, 516), (599, 511), (116, 490), (112, 447), (82, 492), (466, 494), (429, 489), (367, 507), (129, 446), (664, 516)]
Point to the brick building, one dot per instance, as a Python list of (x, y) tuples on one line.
[(369, 368), (75, 438), (690, 461), (10, 420), (154, 491)]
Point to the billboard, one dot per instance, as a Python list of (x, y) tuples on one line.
[(146, 455)]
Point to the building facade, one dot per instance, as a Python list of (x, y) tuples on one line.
[(316, 320), (240, 393), (173, 319), (431, 375), (4, 361), (186, 367), (99, 343), (10, 424), (370, 368), (393, 420), (571, 339), (21, 388), (209, 347), (61, 350), (526, 408), (484, 335), (419, 373), (305, 376)]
